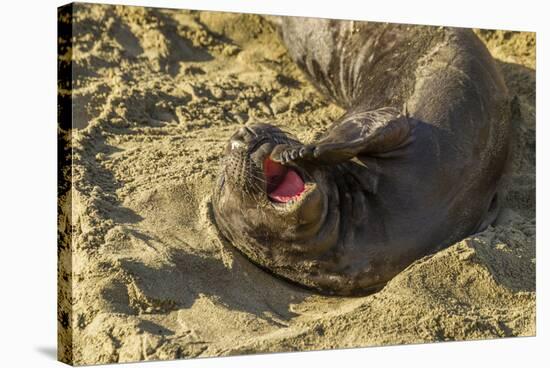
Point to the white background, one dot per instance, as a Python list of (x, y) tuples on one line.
[(28, 181)]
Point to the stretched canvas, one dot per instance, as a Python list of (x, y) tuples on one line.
[(236, 184)]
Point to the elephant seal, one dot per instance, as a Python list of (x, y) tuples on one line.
[(413, 166)]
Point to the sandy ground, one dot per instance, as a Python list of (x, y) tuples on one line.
[(156, 95)]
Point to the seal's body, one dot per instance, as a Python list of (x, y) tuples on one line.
[(414, 164)]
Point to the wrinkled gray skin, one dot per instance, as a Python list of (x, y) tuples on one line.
[(413, 166)]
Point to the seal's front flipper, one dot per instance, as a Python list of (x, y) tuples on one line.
[(285, 153), (377, 133)]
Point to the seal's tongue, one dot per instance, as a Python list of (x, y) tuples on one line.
[(283, 183)]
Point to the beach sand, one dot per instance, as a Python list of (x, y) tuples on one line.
[(156, 95)]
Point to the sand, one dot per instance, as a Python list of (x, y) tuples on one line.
[(156, 95)]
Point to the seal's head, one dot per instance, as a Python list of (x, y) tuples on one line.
[(277, 215)]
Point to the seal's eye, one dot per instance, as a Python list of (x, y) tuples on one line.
[(241, 139), (236, 144)]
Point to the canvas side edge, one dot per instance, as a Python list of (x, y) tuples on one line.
[(65, 220)]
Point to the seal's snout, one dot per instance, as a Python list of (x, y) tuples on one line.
[(249, 168), (242, 138)]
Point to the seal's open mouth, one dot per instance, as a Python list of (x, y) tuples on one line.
[(283, 183)]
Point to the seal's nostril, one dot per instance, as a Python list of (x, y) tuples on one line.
[(250, 131), (243, 132)]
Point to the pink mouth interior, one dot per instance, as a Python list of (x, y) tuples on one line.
[(283, 183)]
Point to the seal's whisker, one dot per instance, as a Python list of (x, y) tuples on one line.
[(256, 176)]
